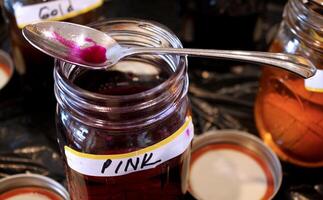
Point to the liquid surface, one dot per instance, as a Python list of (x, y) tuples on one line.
[(125, 78), (229, 172)]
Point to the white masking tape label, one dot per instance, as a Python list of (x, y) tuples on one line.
[(143, 159), (52, 10), (315, 83)]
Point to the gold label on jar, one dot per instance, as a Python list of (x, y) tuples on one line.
[(315, 83), (143, 159), (52, 10)]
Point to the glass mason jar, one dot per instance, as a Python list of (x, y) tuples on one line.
[(289, 110), (125, 132), (33, 66)]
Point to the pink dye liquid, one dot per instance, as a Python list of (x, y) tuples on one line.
[(92, 54)]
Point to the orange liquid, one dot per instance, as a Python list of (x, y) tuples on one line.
[(290, 118)]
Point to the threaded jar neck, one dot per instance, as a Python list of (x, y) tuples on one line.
[(126, 111), (305, 22)]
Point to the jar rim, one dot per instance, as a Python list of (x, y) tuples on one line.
[(139, 109), (171, 79), (313, 14), (301, 20)]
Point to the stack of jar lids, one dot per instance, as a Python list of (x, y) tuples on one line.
[(233, 165), (31, 187)]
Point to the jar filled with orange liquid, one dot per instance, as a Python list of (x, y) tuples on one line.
[(289, 109)]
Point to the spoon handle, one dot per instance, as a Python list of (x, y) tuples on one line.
[(293, 63)]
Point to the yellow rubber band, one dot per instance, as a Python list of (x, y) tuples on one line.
[(134, 153)]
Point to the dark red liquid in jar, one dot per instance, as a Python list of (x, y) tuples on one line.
[(118, 83), (162, 182)]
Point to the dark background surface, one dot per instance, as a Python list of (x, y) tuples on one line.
[(222, 92)]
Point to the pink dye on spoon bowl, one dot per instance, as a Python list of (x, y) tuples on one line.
[(92, 54)]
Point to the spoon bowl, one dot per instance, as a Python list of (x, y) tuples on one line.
[(73, 43), (88, 47)]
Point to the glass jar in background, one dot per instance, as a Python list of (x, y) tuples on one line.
[(125, 132), (289, 110), (35, 67)]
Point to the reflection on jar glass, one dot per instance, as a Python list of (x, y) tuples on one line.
[(289, 110), (125, 132)]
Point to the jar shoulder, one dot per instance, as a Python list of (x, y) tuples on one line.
[(104, 140)]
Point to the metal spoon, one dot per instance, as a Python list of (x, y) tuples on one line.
[(91, 48)]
